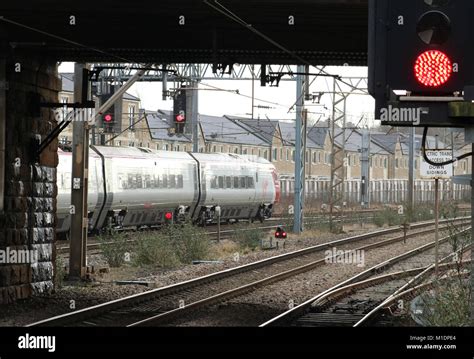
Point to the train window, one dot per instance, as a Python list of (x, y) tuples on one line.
[(139, 181), (180, 181), (236, 182), (242, 182), (250, 182), (172, 181), (214, 182), (131, 183), (165, 181), (147, 181), (228, 182), (221, 182)]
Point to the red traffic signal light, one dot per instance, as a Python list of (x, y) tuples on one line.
[(108, 118), (181, 117), (168, 216), (280, 233), (433, 68)]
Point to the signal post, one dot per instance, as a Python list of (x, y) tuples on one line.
[(421, 71)]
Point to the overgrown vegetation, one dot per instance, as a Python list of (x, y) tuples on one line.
[(248, 239), (173, 245), (449, 303), (421, 212), (60, 273), (116, 250)]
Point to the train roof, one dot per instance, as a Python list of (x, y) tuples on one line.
[(137, 152)]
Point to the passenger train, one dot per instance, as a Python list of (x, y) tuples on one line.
[(137, 187)]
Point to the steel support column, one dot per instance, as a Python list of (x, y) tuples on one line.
[(411, 171), (80, 159), (299, 153), (338, 159), (365, 170)]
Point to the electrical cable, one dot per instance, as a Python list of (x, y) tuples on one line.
[(438, 164)]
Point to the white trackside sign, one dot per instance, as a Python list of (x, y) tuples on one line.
[(440, 172)]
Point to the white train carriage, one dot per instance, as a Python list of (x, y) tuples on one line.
[(144, 187), (244, 187)]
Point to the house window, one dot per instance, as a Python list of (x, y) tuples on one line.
[(65, 100), (281, 154), (222, 149), (131, 117), (214, 149), (293, 156), (275, 154), (236, 151), (396, 163), (315, 157), (288, 155), (177, 148), (246, 151), (265, 154), (319, 157), (385, 163)]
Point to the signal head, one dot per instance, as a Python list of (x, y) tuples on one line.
[(433, 68)]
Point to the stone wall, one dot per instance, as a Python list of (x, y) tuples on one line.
[(28, 221)]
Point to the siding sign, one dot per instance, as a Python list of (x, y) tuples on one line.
[(434, 172)]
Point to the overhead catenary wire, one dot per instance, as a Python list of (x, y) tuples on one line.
[(144, 66)]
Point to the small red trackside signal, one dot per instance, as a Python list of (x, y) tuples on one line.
[(108, 118), (168, 216)]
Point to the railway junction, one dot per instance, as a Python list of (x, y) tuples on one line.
[(98, 230)]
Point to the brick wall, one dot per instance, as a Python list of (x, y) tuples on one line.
[(28, 222)]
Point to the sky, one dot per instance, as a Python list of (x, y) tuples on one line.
[(282, 98)]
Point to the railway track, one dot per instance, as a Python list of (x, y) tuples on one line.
[(359, 300), (95, 246), (163, 304)]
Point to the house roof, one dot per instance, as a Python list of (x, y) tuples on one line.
[(158, 125), (67, 79), (262, 128), (224, 129)]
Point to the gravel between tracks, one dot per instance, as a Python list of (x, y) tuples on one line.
[(252, 309), (104, 289), (263, 304)]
